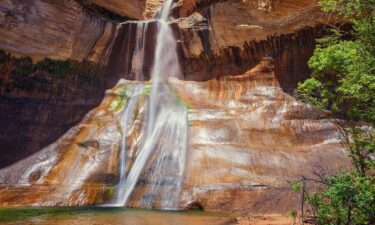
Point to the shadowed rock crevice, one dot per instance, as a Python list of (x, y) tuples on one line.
[(194, 206), (40, 102), (121, 59), (290, 52)]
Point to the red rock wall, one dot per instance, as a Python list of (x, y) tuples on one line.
[(54, 29), (36, 108), (290, 52)]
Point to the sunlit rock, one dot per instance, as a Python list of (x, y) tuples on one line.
[(222, 74), (246, 140), (54, 29), (140, 9)]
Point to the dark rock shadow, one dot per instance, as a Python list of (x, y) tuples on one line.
[(37, 109)]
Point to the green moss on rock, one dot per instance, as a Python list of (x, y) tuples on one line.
[(56, 69), (122, 97)]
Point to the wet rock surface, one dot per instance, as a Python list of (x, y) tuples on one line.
[(39, 102), (215, 38), (247, 136), (247, 139)]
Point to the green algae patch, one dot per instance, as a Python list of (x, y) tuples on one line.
[(19, 214), (122, 97), (118, 103), (110, 191), (147, 89), (182, 102), (121, 91)]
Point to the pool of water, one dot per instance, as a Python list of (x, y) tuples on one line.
[(108, 216)]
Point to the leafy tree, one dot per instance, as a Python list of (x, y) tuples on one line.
[(350, 199), (343, 82), (343, 78)]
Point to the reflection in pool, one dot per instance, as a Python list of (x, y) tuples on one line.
[(108, 216)]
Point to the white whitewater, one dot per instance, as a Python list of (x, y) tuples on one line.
[(125, 122), (163, 148)]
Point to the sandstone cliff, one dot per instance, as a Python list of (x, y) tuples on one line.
[(54, 29), (247, 139), (140, 9), (216, 37), (248, 135), (229, 37)]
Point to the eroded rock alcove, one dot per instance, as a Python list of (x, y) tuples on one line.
[(240, 61)]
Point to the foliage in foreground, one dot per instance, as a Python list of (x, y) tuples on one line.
[(343, 79), (343, 82), (349, 199)]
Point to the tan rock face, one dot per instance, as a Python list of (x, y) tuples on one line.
[(75, 170), (37, 109), (215, 38), (246, 140), (247, 137), (234, 22), (291, 53), (218, 38), (54, 29), (140, 9), (211, 32), (230, 37)]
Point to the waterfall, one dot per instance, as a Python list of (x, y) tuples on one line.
[(125, 121), (163, 147), (139, 51)]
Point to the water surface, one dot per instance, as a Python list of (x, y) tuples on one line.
[(108, 216)]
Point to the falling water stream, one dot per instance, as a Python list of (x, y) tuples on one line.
[(163, 145)]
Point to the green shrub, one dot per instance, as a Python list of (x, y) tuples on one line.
[(343, 82), (56, 68), (60, 69), (296, 187), (4, 57), (343, 79), (23, 65), (292, 213), (349, 199)]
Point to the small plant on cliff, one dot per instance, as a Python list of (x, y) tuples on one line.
[(343, 82), (23, 65), (147, 89), (4, 57), (56, 68), (110, 191), (122, 97), (293, 214)]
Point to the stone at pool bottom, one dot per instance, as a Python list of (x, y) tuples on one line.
[(108, 216)]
